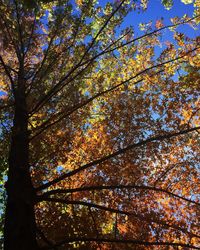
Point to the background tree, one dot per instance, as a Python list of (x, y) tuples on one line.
[(100, 127)]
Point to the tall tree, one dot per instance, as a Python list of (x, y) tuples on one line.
[(99, 127)]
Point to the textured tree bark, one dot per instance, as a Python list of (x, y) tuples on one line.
[(20, 228)]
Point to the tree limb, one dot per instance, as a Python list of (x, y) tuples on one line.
[(51, 92), (45, 125), (44, 238), (8, 74), (113, 187), (57, 87), (118, 152), (124, 241), (118, 211)]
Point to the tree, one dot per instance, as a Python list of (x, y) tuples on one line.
[(100, 130)]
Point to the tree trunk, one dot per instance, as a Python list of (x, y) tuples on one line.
[(20, 228)]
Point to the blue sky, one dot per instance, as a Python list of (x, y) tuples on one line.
[(156, 10)]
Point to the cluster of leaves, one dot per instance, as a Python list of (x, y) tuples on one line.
[(113, 124)]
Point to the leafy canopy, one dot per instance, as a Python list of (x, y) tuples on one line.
[(113, 121)]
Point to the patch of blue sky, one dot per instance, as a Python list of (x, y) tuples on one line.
[(157, 11), (59, 169), (5, 178), (2, 93), (45, 182), (87, 93)]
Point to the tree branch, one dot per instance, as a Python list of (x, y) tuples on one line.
[(113, 187), (125, 241), (30, 37), (118, 211), (44, 238), (52, 91), (110, 156), (9, 34), (8, 74), (57, 87), (19, 32), (192, 115), (45, 58), (45, 125)]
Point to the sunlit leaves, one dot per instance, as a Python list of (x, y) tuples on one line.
[(92, 89), (168, 4), (187, 1)]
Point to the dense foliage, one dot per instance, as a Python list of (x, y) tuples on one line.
[(109, 121)]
